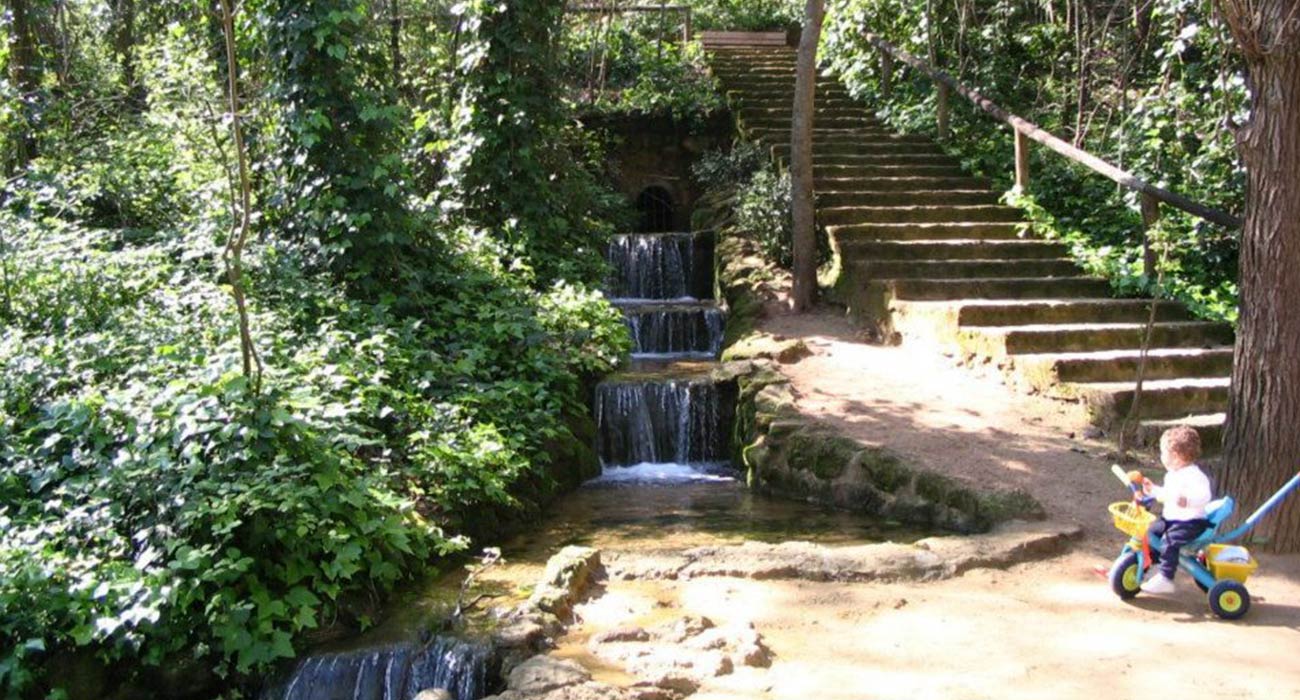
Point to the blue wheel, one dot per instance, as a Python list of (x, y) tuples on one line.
[(1229, 599), (1126, 576)]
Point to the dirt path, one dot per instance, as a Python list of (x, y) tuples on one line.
[(1047, 629)]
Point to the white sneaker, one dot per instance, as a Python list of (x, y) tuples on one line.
[(1158, 584)]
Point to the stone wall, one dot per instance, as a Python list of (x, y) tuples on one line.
[(658, 151)]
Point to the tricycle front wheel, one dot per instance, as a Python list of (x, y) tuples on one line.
[(1229, 599), (1126, 576)]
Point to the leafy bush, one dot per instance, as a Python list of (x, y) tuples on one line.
[(729, 168), (155, 506), (747, 15), (763, 209)]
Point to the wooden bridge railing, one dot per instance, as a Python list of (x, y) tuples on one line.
[(1152, 196)]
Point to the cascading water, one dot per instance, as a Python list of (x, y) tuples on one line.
[(395, 672), (664, 420)]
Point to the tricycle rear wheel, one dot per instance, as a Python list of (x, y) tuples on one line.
[(1229, 599), (1126, 576)]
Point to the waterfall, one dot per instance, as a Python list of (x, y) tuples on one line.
[(674, 424), (396, 672), (655, 266), (684, 421), (659, 329)]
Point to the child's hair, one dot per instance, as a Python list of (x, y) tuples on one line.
[(1182, 440)]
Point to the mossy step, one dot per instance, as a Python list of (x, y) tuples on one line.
[(786, 102), (759, 122), (1209, 425), (1044, 311), (845, 198), (866, 146), (960, 269), (844, 233), (842, 171), (918, 213), (854, 141), (1109, 402), (997, 288), (886, 158), (776, 93), (911, 183), (861, 113), (1044, 371), (998, 341), (957, 249)]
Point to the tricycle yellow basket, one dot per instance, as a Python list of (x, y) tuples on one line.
[(1234, 569), (1131, 518)]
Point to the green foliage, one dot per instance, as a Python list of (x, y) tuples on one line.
[(154, 508), (337, 173), (1152, 105), (635, 64), (763, 209), (747, 15), (517, 165), (734, 167)]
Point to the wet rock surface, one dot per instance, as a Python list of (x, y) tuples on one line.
[(930, 559)]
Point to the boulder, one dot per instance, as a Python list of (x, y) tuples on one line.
[(566, 577)]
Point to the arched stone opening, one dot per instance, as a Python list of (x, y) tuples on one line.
[(655, 205)]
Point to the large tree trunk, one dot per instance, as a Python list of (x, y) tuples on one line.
[(1263, 429), (801, 162)]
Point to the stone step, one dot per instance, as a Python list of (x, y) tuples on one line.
[(786, 102), (1066, 311), (782, 124), (998, 341), (902, 184), (1108, 402), (867, 269), (762, 93), (862, 114), (887, 158), (862, 142), (1209, 425), (1044, 371), (844, 233), (956, 249), (919, 213), (856, 141), (844, 171), (997, 288), (847, 198)]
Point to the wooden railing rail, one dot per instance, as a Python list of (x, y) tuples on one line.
[(1152, 196)]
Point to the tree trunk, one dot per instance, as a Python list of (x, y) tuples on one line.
[(124, 47), (25, 72), (801, 163), (1262, 444)]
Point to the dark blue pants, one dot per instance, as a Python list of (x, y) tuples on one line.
[(1174, 534)]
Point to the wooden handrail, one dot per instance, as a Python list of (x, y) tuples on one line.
[(1027, 130)]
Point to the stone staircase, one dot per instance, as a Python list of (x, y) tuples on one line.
[(926, 253)]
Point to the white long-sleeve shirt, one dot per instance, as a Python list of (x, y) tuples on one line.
[(1189, 485)]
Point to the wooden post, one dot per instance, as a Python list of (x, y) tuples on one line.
[(1022, 162), (941, 110), (686, 26), (1150, 216), (886, 74)]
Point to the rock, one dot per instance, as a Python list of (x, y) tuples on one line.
[(566, 577), (542, 674), (674, 680), (763, 345), (434, 694), (621, 634), (683, 628)]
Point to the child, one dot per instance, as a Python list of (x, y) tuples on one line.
[(1184, 494)]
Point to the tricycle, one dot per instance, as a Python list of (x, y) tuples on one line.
[(1218, 567)]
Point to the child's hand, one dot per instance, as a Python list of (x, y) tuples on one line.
[(1147, 486)]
